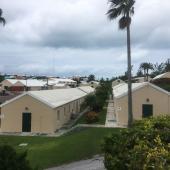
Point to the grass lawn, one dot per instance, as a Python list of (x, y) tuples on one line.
[(102, 118), (52, 151)]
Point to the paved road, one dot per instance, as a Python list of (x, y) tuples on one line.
[(91, 164)]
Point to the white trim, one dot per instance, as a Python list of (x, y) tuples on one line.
[(159, 89), (141, 86), (15, 98)]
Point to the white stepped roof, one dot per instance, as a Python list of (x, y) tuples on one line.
[(164, 75), (58, 97), (31, 83), (53, 98), (12, 81), (122, 89), (60, 80), (86, 89)]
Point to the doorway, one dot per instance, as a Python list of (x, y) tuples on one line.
[(147, 110), (26, 122)]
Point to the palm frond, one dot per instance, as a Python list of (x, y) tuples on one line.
[(132, 11), (113, 13), (115, 2), (1, 12), (124, 22), (3, 21)]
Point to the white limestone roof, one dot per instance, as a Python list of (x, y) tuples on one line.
[(86, 89), (58, 80), (53, 98), (84, 82), (58, 97), (95, 82), (164, 75), (60, 85), (117, 81), (122, 89), (31, 83), (12, 81)]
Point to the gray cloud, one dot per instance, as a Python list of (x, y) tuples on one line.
[(75, 37)]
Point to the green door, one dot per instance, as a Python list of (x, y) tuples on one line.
[(26, 122), (147, 110)]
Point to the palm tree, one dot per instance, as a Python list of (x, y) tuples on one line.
[(146, 67), (167, 66), (124, 9), (2, 20)]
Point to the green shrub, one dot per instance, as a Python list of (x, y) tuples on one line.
[(92, 117), (10, 160), (145, 146)]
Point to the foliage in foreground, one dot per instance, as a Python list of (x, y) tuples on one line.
[(10, 160), (46, 152), (146, 146)]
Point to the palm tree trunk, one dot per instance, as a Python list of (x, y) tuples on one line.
[(147, 72), (145, 75), (130, 112)]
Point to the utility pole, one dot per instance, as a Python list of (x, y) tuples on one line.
[(47, 82), (26, 82)]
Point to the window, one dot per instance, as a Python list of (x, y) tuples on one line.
[(147, 110), (58, 115)]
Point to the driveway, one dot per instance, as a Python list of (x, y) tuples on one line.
[(91, 164)]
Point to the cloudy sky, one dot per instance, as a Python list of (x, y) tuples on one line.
[(74, 37)]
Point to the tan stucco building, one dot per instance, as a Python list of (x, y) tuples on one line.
[(41, 111), (148, 100)]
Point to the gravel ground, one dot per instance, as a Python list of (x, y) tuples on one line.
[(91, 164)]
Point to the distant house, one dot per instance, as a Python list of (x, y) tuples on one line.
[(163, 81), (93, 84), (7, 83), (148, 100), (67, 82), (162, 77), (29, 84), (116, 82), (18, 85), (141, 79), (43, 111)]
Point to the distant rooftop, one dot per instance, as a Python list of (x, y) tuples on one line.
[(161, 76)]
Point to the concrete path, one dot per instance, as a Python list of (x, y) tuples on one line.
[(110, 117), (91, 164)]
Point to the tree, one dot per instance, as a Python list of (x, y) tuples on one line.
[(158, 69), (167, 66), (124, 9), (2, 20), (146, 67), (139, 73), (91, 77), (90, 101)]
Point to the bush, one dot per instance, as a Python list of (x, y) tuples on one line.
[(92, 117), (146, 146), (10, 160)]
